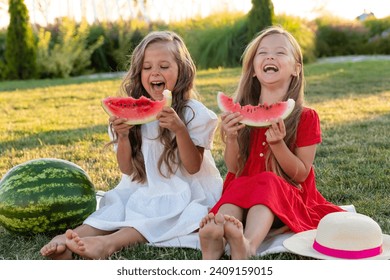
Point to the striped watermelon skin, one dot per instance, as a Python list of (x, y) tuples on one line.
[(44, 196)]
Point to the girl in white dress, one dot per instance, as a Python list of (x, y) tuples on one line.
[(169, 179)]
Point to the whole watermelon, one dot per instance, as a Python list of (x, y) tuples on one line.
[(44, 196)]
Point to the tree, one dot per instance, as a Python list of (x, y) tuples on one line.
[(260, 16), (20, 51)]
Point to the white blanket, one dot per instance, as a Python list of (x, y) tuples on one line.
[(272, 244)]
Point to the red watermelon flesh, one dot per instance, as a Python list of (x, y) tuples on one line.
[(260, 115), (136, 111)]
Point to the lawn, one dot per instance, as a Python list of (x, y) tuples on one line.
[(64, 119)]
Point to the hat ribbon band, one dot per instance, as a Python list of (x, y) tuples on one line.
[(347, 254)]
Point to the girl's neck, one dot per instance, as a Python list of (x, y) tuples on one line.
[(272, 95)]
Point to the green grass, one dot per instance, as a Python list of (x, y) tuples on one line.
[(64, 119)]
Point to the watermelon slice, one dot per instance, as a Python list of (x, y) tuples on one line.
[(137, 111), (260, 115)]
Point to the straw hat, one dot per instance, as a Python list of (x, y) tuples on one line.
[(342, 235)]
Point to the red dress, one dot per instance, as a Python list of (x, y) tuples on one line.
[(299, 209)]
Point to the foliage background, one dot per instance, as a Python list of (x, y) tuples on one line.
[(67, 48), (21, 55)]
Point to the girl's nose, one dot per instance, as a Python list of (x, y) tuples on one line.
[(155, 72)]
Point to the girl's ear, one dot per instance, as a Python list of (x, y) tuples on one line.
[(298, 68)]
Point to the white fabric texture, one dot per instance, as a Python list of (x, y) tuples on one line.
[(165, 208)]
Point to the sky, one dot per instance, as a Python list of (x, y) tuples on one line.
[(170, 10), (348, 9)]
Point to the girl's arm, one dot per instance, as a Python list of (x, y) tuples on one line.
[(296, 165), (230, 126), (123, 153), (190, 155)]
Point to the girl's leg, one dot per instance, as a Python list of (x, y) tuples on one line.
[(56, 248), (102, 246), (244, 243), (211, 232)]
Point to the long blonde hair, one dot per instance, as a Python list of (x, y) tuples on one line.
[(182, 92), (249, 91)]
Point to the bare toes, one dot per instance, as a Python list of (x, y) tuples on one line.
[(219, 219), (68, 234), (233, 220), (207, 219)]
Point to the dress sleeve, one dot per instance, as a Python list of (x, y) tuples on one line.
[(201, 124), (309, 130)]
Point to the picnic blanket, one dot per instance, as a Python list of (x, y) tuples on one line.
[(272, 244)]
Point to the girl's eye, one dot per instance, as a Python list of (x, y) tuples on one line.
[(147, 67), (164, 67)]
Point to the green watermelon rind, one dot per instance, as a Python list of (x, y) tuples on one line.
[(30, 203), (137, 120), (249, 119)]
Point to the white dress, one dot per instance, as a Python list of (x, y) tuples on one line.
[(165, 208)]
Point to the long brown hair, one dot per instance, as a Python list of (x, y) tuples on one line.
[(249, 91), (181, 93)]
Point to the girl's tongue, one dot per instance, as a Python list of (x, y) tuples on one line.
[(158, 86)]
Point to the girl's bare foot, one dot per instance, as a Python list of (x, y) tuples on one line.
[(234, 234), (211, 236), (93, 247), (56, 249)]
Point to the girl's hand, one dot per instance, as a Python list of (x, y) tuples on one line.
[(231, 124), (170, 120), (276, 132), (120, 127)]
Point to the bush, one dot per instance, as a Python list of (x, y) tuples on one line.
[(101, 58), (379, 42), (340, 38), (221, 46), (377, 26), (3, 70), (70, 56), (215, 41), (119, 40), (379, 45)]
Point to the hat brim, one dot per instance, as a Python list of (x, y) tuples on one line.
[(302, 244)]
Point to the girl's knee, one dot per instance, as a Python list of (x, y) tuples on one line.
[(231, 210)]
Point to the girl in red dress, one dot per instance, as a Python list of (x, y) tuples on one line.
[(270, 181)]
